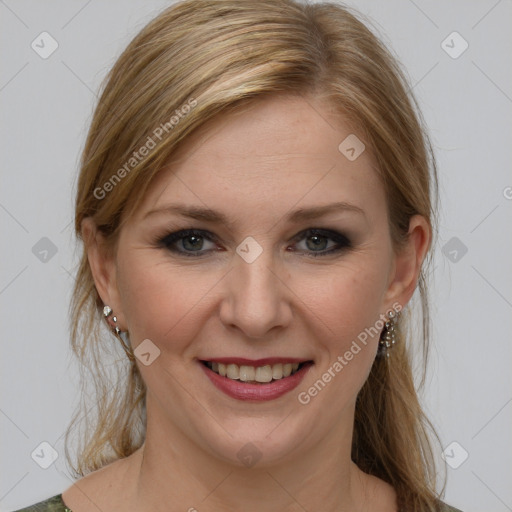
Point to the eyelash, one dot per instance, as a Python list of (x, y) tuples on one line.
[(168, 240)]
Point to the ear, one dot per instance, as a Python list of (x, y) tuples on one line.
[(103, 268), (408, 261)]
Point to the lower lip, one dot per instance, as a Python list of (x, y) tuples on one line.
[(256, 392)]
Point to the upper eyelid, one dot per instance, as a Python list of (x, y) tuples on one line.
[(211, 236), (180, 234)]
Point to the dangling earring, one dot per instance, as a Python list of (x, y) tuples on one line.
[(388, 334), (107, 311)]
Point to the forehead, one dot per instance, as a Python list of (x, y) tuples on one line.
[(273, 154)]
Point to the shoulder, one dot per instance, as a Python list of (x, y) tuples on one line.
[(53, 504), (104, 489), (447, 508)]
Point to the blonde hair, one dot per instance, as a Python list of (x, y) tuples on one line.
[(216, 56)]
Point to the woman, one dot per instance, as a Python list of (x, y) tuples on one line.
[(256, 209)]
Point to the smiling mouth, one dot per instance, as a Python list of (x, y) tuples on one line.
[(255, 374)]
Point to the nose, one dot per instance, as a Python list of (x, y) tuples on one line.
[(257, 299)]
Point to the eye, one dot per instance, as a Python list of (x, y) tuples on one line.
[(194, 242), (317, 242), (188, 242)]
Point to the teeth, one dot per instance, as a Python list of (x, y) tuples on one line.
[(233, 372), (263, 373), (247, 373), (277, 371), (254, 374)]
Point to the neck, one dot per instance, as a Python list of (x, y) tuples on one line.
[(172, 469)]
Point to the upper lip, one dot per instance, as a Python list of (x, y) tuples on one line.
[(256, 362)]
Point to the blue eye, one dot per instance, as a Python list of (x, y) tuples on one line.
[(191, 242), (317, 242)]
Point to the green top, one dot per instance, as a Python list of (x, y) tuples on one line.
[(55, 504)]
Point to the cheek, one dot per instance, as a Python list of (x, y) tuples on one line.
[(350, 308), (350, 305), (349, 300), (160, 302)]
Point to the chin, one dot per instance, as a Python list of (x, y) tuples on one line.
[(258, 442)]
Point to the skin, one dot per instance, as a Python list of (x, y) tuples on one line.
[(256, 166)]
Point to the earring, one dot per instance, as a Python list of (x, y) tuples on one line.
[(388, 335), (107, 311)]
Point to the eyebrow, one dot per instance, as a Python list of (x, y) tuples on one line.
[(300, 215)]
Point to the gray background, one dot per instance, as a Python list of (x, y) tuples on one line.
[(467, 102)]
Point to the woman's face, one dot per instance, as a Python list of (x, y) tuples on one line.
[(260, 284)]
